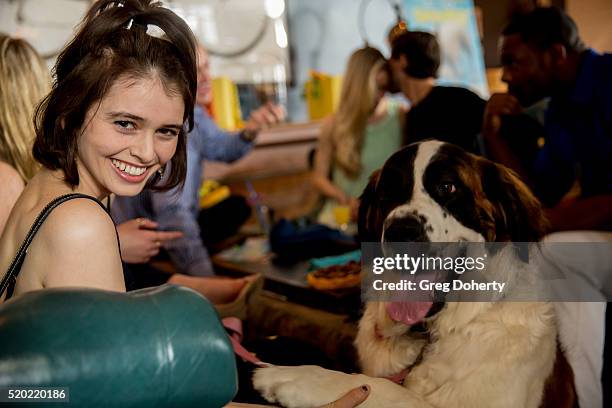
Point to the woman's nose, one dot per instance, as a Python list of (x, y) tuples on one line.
[(142, 148)]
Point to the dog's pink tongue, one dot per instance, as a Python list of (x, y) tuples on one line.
[(408, 312)]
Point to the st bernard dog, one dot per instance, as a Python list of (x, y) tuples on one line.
[(472, 354)]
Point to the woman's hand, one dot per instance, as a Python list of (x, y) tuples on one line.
[(351, 399)]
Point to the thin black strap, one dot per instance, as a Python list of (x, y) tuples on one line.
[(9, 280)]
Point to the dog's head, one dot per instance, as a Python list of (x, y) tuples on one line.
[(436, 192)]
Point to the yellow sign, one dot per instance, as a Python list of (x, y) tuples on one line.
[(226, 104), (322, 94)]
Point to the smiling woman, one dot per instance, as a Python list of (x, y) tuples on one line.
[(129, 136), (117, 115)]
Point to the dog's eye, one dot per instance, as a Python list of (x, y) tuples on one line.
[(447, 188)]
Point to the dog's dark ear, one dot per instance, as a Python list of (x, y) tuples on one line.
[(370, 217), (517, 212)]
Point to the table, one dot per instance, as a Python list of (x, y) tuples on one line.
[(288, 282), (288, 307)]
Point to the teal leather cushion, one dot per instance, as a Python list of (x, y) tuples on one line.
[(156, 347)]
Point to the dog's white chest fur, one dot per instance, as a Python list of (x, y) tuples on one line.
[(501, 359)]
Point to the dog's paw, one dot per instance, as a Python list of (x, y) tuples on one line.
[(302, 386)]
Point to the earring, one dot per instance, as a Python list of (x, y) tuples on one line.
[(160, 173)]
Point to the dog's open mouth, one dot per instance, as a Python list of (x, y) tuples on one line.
[(425, 304), (409, 313), (413, 313)]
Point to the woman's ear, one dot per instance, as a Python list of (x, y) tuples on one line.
[(369, 220), (517, 212)]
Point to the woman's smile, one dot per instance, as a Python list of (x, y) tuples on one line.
[(130, 172)]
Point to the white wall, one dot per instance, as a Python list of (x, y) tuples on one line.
[(46, 24), (323, 34), (594, 20)]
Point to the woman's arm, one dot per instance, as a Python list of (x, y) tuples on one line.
[(77, 245), (12, 186), (322, 167)]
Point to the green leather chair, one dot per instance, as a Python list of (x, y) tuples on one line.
[(156, 347)]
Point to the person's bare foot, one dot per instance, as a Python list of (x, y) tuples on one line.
[(218, 290)]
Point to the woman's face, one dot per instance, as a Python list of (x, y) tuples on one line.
[(382, 84), (125, 139)]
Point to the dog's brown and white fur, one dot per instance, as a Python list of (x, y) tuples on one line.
[(487, 354)]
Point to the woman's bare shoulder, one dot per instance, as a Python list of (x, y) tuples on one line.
[(81, 218), (82, 239), (10, 178)]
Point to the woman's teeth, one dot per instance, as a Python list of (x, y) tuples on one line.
[(131, 170)]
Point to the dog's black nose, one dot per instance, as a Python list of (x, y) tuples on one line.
[(405, 229)]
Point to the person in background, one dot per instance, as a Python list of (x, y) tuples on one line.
[(447, 113), (143, 218), (542, 55), (358, 138), (24, 81)]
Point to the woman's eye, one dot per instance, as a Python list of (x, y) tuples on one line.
[(125, 124), (447, 188), (169, 132)]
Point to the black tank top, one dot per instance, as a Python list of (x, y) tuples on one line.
[(10, 278)]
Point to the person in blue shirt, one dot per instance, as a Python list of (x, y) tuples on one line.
[(153, 220), (543, 56)]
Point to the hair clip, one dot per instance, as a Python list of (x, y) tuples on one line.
[(155, 31), (151, 30), (109, 6)]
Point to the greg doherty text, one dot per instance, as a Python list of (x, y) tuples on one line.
[(426, 285)]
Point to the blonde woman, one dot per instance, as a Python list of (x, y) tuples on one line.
[(358, 138), (24, 81)]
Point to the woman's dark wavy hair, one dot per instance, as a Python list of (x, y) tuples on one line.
[(103, 51)]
